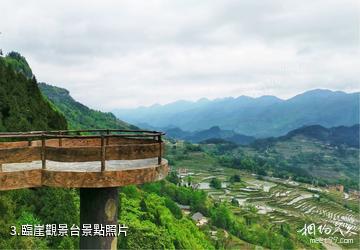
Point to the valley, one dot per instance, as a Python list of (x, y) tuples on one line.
[(275, 199)]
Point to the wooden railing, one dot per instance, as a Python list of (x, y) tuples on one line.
[(80, 146)]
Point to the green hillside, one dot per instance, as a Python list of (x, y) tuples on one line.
[(156, 222), (17, 62), (336, 136), (22, 106), (265, 203), (309, 154), (309, 159), (78, 115)]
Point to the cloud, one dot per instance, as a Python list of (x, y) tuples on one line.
[(118, 54)]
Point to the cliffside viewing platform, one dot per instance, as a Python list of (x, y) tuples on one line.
[(81, 158)]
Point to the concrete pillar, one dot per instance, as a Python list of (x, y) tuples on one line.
[(99, 206)]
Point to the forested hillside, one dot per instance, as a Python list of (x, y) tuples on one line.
[(308, 154), (22, 106), (17, 62), (78, 115), (337, 136)]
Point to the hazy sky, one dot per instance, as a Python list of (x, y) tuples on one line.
[(119, 54)]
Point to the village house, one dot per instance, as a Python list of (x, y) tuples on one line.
[(184, 208), (336, 188), (182, 171), (354, 193), (199, 218)]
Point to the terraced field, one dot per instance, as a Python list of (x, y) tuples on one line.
[(285, 201)]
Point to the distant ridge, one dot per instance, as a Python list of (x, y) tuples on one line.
[(209, 134), (259, 117), (341, 135), (336, 136)]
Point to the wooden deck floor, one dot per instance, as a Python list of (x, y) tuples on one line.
[(92, 166), (117, 173)]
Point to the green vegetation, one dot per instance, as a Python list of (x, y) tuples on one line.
[(38, 207), (215, 183), (307, 160), (78, 115), (235, 178), (297, 157), (335, 136), (156, 222), (263, 199), (18, 63), (22, 106), (246, 225)]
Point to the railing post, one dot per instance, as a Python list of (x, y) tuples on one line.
[(43, 151), (60, 139), (160, 150), (1, 167), (107, 138), (103, 152)]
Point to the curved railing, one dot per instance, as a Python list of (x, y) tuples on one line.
[(80, 146), (73, 146)]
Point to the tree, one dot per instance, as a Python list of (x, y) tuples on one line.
[(234, 202), (189, 180), (174, 209), (174, 178), (221, 217), (215, 183), (235, 178)]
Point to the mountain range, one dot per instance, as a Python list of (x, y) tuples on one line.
[(207, 134), (259, 117)]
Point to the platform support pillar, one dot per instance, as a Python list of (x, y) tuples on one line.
[(99, 206)]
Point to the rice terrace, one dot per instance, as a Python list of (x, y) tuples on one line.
[(303, 206)]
